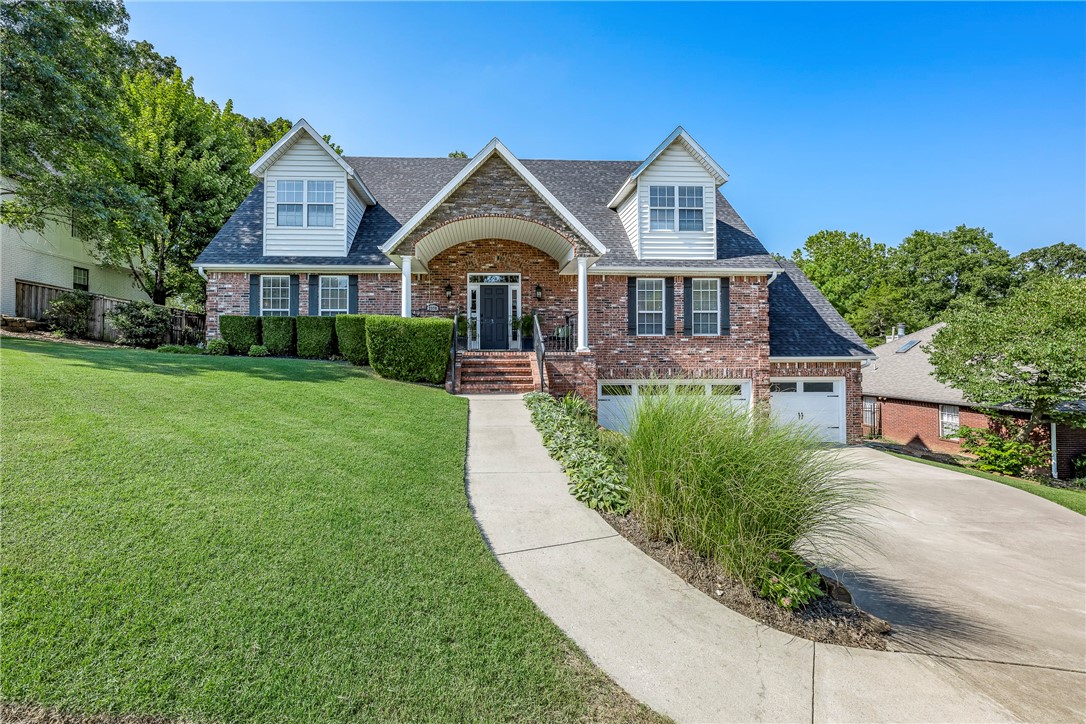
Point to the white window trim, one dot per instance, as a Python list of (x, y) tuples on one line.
[(662, 312), (719, 304), (320, 295), (675, 209), (305, 202), (274, 276), (944, 412)]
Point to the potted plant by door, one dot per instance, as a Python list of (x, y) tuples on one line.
[(526, 325)]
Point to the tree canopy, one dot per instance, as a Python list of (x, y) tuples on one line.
[(1029, 350)]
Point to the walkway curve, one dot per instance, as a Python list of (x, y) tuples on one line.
[(684, 654)]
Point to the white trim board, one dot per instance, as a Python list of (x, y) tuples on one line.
[(695, 149)]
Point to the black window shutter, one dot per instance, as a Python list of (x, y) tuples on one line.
[(725, 307), (254, 295), (631, 305), (314, 296), (294, 295), (688, 306), (669, 305), (352, 293)]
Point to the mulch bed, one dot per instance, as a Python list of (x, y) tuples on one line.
[(823, 620)]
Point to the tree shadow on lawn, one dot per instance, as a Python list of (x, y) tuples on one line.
[(924, 617), (124, 359)]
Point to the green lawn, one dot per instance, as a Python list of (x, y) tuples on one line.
[(1072, 499), (239, 539)]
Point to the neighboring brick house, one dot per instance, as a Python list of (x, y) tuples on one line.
[(905, 404), (640, 273)]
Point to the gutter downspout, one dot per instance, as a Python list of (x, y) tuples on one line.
[(1052, 437), (200, 271), (772, 276)]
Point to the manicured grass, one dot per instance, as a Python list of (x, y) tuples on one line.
[(237, 539), (1071, 499)]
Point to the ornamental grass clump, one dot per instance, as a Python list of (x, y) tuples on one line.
[(749, 493)]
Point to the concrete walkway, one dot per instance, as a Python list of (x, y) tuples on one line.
[(691, 658)]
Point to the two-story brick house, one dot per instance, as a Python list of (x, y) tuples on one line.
[(642, 276)]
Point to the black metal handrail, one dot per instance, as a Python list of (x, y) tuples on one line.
[(540, 349), (452, 352)]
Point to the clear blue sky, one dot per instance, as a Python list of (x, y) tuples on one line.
[(874, 118)]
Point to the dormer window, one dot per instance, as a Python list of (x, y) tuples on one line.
[(313, 201), (689, 209)]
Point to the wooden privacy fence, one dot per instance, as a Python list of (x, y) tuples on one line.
[(32, 302)]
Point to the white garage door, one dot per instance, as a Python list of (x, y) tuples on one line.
[(618, 398), (817, 403)]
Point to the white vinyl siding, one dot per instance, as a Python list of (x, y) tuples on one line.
[(705, 306), (650, 307), (627, 214), (275, 296), (306, 161), (355, 210), (949, 421), (333, 295), (675, 167)]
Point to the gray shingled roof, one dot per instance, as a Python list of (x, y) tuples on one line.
[(402, 186), (910, 375), (802, 323)]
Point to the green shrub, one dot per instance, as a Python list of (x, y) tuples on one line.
[(998, 454), (141, 324), (240, 332), (414, 349), (277, 335), (789, 582), (573, 440), (70, 313), (258, 350), (351, 337), (316, 337), (181, 349), (738, 488), (218, 347)]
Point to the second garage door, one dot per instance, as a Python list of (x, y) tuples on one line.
[(817, 403)]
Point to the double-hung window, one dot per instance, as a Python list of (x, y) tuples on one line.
[(705, 306), (275, 296), (289, 201), (684, 203), (81, 279), (650, 307), (319, 203), (948, 421), (333, 296), (305, 203)]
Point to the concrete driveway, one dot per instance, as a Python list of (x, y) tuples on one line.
[(972, 570)]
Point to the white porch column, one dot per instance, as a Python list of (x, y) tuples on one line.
[(405, 290), (582, 304)]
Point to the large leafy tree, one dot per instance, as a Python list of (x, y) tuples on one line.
[(939, 268), (263, 134), (1066, 260), (61, 68), (1029, 351), (843, 265), (190, 159)]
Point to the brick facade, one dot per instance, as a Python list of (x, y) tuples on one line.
[(227, 293), (1070, 444), (494, 189)]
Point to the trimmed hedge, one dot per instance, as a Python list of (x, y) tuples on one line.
[(278, 335), (351, 337), (240, 332), (410, 349), (316, 337)]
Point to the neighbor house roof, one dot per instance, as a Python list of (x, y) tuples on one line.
[(403, 186), (903, 371)]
